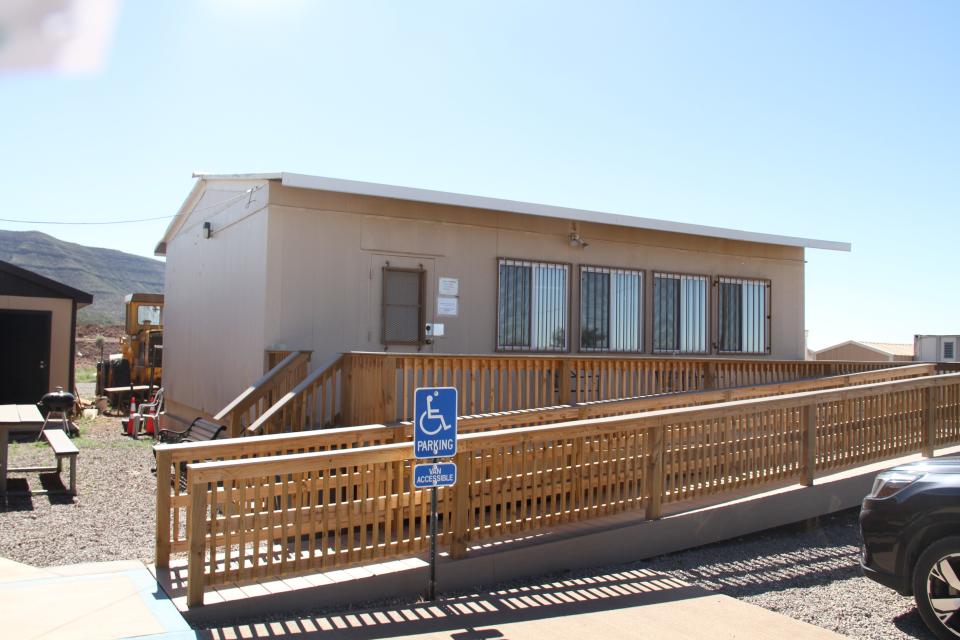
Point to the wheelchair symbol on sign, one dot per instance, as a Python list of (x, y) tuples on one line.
[(432, 414)]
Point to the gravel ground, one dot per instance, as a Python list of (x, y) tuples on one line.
[(809, 575), (111, 519), (87, 390)]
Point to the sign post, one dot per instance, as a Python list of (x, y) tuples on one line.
[(434, 437)]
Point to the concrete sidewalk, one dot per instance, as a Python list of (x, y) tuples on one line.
[(116, 600), (99, 601), (628, 604)]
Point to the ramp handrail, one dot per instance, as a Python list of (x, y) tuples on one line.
[(172, 497), (382, 384), (282, 515)]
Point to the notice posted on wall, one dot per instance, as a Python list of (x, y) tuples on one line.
[(448, 287), (447, 306)]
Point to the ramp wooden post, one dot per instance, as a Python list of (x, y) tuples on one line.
[(461, 507), (388, 391), (233, 425), (161, 551), (564, 369), (654, 472), (929, 437), (710, 376), (197, 542), (808, 444), (346, 391)]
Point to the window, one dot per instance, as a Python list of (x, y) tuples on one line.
[(149, 313), (611, 309), (948, 350), (532, 306), (679, 313), (403, 294), (743, 315)]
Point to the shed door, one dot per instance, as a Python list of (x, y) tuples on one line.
[(24, 356), (401, 298)]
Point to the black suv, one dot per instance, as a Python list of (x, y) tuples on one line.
[(910, 527)]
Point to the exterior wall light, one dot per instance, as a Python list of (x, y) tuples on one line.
[(577, 241), (207, 231)]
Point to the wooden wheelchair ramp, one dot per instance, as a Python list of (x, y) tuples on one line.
[(606, 541), (273, 510)]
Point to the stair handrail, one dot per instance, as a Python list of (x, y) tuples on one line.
[(230, 415), (288, 398)]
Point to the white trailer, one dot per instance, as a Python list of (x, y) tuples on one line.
[(936, 348)]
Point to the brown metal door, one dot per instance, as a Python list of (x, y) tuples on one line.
[(401, 289), (24, 356)]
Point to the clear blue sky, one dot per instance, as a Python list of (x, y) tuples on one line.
[(835, 120)]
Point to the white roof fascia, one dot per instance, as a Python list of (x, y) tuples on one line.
[(238, 176), (356, 187), (481, 202), (178, 219)]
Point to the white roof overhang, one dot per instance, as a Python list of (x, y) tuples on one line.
[(301, 181)]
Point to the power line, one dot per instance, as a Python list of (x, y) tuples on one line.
[(229, 200), (87, 222)]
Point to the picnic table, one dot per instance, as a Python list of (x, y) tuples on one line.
[(15, 417)]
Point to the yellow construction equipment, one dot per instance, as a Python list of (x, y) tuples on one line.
[(141, 359)]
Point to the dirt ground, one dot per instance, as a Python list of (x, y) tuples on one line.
[(88, 353)]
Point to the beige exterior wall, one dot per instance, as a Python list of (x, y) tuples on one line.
[(292, 268), (854, 352), (215, 296), (326, 251), (61, 312)]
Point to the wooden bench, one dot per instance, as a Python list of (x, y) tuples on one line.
[(200, 430), (64, 448)]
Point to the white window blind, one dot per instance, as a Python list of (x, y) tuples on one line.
[(611, 309), (679, 313), (743, 315)]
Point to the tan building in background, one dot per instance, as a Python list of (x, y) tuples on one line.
[(285, 261), (866, 351)]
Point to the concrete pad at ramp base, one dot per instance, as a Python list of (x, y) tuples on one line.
[(101, 601), (634, 603), (713, 617)]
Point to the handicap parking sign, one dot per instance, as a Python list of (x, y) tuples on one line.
[(435, 422), (437, 474)]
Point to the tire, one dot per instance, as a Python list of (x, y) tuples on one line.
[(936, 591), (119, 373)]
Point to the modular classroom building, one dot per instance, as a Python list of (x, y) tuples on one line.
[(282, 261)]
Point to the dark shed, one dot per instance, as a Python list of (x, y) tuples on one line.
[(38, 321)]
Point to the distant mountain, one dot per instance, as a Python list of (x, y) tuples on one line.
[(106, 273)]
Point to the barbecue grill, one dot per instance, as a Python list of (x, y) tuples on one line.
[(58, 405)]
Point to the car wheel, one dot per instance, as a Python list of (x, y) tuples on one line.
[(936, 587)]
